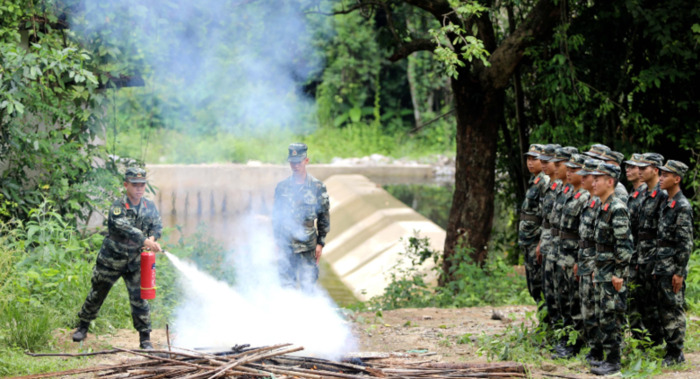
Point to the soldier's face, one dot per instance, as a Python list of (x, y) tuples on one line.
[(299, 167), (534, 165), (135, 190), (668, 180), (548, 167), (632, 173), (587, 182), (601, 185), (571, 176), (561, 170), (648, 173)]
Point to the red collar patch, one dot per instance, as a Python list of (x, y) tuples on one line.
[(605, 208), (653, 194), (636, 193), (127, 205), (566, 189), (593, 204), (537, 180), (673, 204), (554, 186), (578, 194)]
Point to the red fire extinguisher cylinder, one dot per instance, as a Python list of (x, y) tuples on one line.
[(148, 275)]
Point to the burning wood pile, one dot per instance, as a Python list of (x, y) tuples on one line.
[(276, 362)]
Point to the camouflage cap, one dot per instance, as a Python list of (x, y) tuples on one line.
[(634, 161), (648, 159), (676, 167), (135, 175), (548, 152), (297, 152), (535, 150), (576, 161), (608, 169), (597, 150), (616, 156), (563, 154), (589, 166)]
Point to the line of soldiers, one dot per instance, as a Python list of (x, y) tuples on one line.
[(596, 255)]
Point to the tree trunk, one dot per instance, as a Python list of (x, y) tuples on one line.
[(478, 111)]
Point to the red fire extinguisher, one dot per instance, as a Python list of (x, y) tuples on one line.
[(148, 275)]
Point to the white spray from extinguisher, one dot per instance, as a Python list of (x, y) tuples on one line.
[(213, 314)]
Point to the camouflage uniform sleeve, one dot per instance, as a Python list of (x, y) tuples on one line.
[(623, 241), (685, 244), (277, 217), (156, 223), (323, 221), (119, 225)]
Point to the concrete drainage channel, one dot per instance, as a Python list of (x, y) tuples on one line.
[(366, 221)]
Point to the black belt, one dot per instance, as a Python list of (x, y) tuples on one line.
[(546, 225), (604, 248), (666, 244), (555, 232), (585, 244), (533, 218), (563, 234), (645, 236)]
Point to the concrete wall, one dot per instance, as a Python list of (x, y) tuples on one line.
[(367, 224)]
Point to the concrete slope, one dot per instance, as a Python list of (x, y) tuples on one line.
[(367, 225)]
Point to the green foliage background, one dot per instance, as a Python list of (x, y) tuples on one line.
[(621, 73)]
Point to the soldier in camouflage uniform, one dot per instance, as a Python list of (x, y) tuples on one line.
[(133, 224), (585, 263), (634, 201), (545, 250), (647, 221), (613, 241), (561, 156), (300, 201), (530, 221), (674, 246), (568, 300)]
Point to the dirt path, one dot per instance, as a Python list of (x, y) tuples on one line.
[(433, 334)]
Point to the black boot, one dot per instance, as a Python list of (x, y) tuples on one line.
[(145, 339), (81, 332), (610, 366), (595, 356), (673, 358)]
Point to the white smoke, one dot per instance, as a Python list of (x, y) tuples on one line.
[(258, 310)]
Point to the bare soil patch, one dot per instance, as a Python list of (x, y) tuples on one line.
[(428, 334)]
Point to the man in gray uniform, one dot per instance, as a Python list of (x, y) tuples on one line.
[(301, 221)]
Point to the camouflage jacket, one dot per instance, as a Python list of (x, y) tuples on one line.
[(569, 223), (529, 229), (621, 191), (548, 199), (586, 229), (128, 227), (613, 241), (648, 223), (296, 208), (675, 237), (634, 202)]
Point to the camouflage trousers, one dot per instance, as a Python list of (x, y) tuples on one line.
[(533, 272), (103, 279), (567, 295), (671, 313), (587, 294), (299, 269), (549, 262), (635, 303), (610, 310), (648, 309)]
